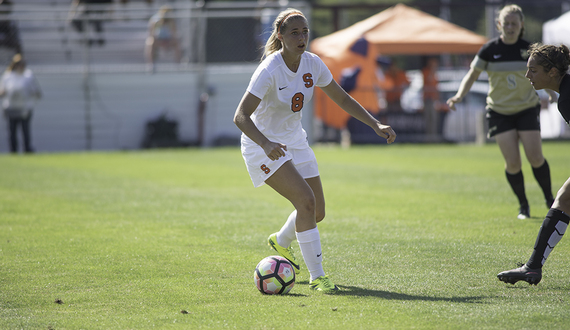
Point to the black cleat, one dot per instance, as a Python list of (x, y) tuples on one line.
[(524, 212), (531, 276)]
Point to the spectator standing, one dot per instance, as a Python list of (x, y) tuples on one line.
[(399, 82), (20, 91), (431, 97), (80, 13)]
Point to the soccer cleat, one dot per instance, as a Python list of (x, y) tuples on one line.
[(324, 285), (523, 273), (524, 212), (286, 253)]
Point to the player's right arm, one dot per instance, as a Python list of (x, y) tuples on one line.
[(464, 87), (242, 119)]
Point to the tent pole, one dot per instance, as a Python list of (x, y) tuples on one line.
[(491, 11)]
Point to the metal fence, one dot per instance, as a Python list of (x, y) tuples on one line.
[(59, 34)]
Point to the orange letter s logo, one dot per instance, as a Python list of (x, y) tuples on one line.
[(308, 79), (265, 169)]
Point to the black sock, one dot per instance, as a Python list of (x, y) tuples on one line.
[(517, 183), (542, 175), (552, 229)]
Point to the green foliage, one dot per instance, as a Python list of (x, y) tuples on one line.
[(414, 236)]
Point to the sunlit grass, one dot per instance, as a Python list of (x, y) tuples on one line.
[(414, 236)]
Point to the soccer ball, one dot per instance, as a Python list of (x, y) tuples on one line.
[(274, 275)]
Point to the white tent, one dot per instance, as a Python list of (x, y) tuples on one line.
[(557, 30), (554, 32)]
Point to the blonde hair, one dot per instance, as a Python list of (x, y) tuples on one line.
[(550, 56), (16, 60), (164, 9), (507, 10), (280, 24)]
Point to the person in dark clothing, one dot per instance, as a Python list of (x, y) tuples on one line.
[(547, 68), (80, 12)]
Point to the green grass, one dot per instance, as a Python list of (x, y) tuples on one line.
[(414, 236)]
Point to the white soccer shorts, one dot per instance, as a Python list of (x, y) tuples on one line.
[(260, 167)]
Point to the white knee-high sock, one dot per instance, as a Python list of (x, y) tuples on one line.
[(310, 244), (287, 233)]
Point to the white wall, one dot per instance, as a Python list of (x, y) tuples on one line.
[(122, 103)]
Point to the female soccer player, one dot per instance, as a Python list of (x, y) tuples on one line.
[(513, 107), (547, 68), (274, 144)]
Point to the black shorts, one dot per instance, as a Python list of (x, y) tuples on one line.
[(526, 120)]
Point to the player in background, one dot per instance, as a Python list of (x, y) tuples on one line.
[(274, 144), (547, 68), (513, 107)]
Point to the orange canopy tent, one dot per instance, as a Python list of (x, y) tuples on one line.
[(398, 30)]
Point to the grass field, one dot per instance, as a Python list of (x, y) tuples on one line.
[(414, 236)]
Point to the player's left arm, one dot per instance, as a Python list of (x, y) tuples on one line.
[(353, 108)]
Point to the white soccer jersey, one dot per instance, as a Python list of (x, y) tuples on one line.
[(283, 95)]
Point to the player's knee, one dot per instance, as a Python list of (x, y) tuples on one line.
[(307, 204), (563, 200), (536, 161), (513, 167)]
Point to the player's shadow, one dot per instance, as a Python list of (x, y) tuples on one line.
[(361, 292)]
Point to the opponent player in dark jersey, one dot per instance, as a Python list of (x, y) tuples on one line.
[(547, 68), (513, 107)]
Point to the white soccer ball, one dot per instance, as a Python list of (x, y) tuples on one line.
[(274, 275)]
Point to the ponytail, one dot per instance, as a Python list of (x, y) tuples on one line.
[(279, 25)]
